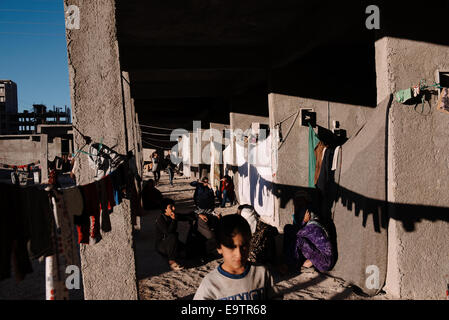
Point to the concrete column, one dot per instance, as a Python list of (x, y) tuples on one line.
[(418, 158), (99, 108), (44, 157)]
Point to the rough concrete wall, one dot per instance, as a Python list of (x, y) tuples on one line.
[(19, 151), (108, 267), (418, 167), (243, 122), (293, 154), (54, 148)]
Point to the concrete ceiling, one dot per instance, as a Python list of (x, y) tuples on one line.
[(188, 60)]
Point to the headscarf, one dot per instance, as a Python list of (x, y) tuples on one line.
[(302, 202), (250, 215)]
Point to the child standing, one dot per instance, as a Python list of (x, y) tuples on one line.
[(235, 278)]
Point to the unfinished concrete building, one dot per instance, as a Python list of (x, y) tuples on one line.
[(8, 107), (173, 64)]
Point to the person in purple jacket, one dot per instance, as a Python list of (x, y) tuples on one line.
[(306, 241)]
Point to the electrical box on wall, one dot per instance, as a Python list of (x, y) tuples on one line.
[(307, 116)]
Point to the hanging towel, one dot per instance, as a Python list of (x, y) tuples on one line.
[(334, 161), (404, 95), (88, 223), (117, 179), (12, 235), (55, 288), (319, 155), (37, 210), (313, 142), (107, 202), (64, 230)]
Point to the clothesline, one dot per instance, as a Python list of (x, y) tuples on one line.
[(289, 129), (161, 140), (55, 212), (161, 128), (151, 144), (33, 164), (156, 134)]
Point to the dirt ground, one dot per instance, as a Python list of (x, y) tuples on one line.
[(157, 282)]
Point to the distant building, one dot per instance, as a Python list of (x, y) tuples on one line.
[(8, 107), (28, 122)]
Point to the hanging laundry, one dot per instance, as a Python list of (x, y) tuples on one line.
[(64, 230), (25, 224), (38, 218), (103, 159), (12, 235), (73, 201), (66, 251), (416, 91), (403, 95), (55, 288), (443, 100), (326, 175), (319, 154), (88, 224), (334, 161), (118, 184), (107, 202), (313, 142)]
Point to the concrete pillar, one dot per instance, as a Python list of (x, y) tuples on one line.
[(44, 157), (100, 110), (418, 158)]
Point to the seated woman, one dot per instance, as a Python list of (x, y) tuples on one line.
[(306, 242), (262, 244)]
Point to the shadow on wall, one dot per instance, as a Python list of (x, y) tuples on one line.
[(380, 211), (248, 170), (407, 214)]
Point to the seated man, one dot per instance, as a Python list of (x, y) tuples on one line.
[(167, 242), (262, 245), (151, 197), (204, 200), (306, 242)]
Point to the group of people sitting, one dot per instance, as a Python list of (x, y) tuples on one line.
[(246, 243)]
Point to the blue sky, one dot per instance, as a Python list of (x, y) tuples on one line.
[(33, 51)]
